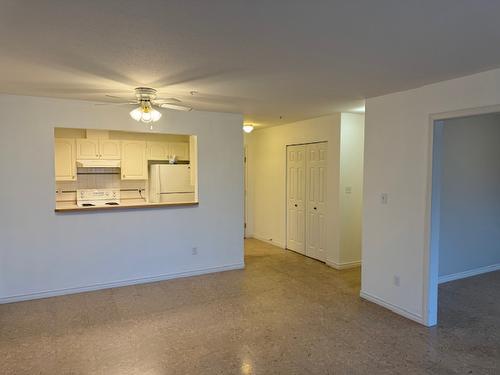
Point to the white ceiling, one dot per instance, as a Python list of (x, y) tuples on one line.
[(265, 59)]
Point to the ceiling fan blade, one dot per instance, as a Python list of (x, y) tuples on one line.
[(167, 100), (177, 107), (128, 103), (117, 97)]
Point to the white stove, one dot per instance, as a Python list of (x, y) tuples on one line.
[(97, 197)]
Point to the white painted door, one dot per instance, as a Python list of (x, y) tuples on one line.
[(316, 162), (296, 164)]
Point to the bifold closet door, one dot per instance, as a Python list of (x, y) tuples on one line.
[(316, 164), (296, 184)]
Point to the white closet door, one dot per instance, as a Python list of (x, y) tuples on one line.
[(296, 165), (316, 200)]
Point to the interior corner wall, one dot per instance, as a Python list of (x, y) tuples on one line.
[(351, 188), (44, 253), (397, 161), (266, 165), (469, 238)]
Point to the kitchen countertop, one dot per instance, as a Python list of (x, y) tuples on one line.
[(124, 203)]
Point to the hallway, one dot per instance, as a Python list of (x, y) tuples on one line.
[(283, 314)]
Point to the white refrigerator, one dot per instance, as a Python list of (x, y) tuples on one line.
[(170, 183)]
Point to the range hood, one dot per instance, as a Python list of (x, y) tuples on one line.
[(98, 163)]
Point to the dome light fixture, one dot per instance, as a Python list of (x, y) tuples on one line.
[(247, 128), (145, 112)]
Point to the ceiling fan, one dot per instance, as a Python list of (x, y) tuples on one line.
[(146, 99)]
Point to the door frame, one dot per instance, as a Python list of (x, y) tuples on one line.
[(285, 242), (431, 234)]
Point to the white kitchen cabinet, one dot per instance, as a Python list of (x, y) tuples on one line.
[(87, 149), (93, 148), (65, 159), (180, 150), (134, 164), (109, 149), (158, 150)]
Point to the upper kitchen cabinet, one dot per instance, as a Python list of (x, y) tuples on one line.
[(158, 150), (109, 149), (89, 148), (180, 150), (134, 165), (65, 159)]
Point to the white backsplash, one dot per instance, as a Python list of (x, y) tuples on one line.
[(100, 178)]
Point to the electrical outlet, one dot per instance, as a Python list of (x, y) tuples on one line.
[(348, 189), (396, 280), (194, 251), (384, 198)]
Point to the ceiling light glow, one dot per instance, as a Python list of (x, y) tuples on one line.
[(145, 113), (248, 128)]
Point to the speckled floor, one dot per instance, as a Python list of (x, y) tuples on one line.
[(284, 314)]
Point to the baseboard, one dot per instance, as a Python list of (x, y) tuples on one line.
[(267, 240), (469, 273), (116, 284), (396, 309), (343, 265)]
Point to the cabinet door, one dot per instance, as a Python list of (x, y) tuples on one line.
[(87, 149), (65, 159), (316, 162), (180, 150), (158, 150), (109, 149), (134, 165), (296, 185)]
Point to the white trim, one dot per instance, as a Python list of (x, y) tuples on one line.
[(269, 241), (115, 284), (469, 273), (343, 265), (396, 309)]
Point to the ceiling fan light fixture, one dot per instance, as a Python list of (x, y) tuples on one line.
[(145, 113), (136, 114), (248, 128)]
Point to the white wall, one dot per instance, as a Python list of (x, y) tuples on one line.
[(44, 253), (267, 177), (398, 161), (469, 236), (351, 187)]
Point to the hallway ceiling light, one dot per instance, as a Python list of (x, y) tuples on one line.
[(247, 128)]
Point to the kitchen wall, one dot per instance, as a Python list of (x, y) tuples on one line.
[(469, 238), (43, 253), (399, 271), (266, 163)]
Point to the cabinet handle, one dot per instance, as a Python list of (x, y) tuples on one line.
[(123, 176), (315, 208), (295, 205)]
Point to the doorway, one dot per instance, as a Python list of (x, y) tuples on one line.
[(306, 209), (465, 208)]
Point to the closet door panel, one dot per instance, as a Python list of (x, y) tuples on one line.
[(296, 198), (316, 165)]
